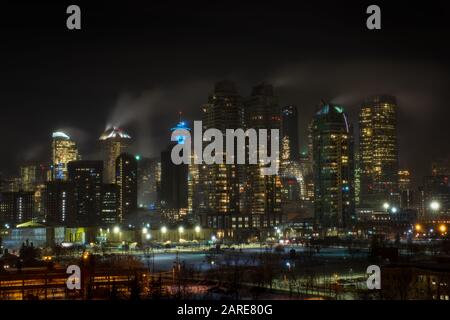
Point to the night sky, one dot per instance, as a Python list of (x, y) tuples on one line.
[(137, 64)]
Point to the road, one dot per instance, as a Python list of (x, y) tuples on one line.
[(164, 261)]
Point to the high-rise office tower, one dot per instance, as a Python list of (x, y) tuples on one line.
[(289, 132), (60, 203), (114, 141), (263, 192), (87, 177), (64, 150), (28, 177), (174, 180), (110, 203), (193, 186), (293, 189), (306, 161), (126, 180), (357, 179), (220, 182), (306, 169), (39, 201), (378, 151), (405, 189), (147, 184), (333, 167), (16, 207), (404, 180), (43, 173), (10, 184)]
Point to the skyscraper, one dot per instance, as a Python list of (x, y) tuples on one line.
[(28, 177), (333, 167), (378, 151), (289, 132), (110, 203), (263, 192), (404, 180), (64, 150), (220, 182), (16, 207), (405, 190), (126, 180), (87, 177), (147, 182), (39, 201), (60, 203), (357, 179), (174, 179), (114, 141)]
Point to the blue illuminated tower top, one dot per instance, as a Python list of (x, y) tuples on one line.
[(181, 125)]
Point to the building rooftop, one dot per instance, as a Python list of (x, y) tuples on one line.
[(60, 134), (113, 133)]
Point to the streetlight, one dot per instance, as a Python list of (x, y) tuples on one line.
[(434, 205), (418, 227), (180, 229), (443, 228), (116, 229), (148, 236), (197, 229), (386, 206), (394, 210), (144, 230), (164, 229)]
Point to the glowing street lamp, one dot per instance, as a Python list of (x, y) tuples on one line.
[(386, 206), (197, 229), (434, 205), (418, 227), (144, 230), (164, 230), (394, 210), (116, 229), (443, 228), (180, 229)]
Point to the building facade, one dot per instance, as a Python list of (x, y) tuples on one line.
[(263, 193), (333, 168), (126, 181), (147, 182), (60, 207), (110, 204), (378, 152), (64, 150), (113, 142), (289, 132), (219, 196), (174, 181), (16, 207), (87, 177)]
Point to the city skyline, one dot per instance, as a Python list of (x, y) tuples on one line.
[(299, 64), (232, 151), (96, 153)]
